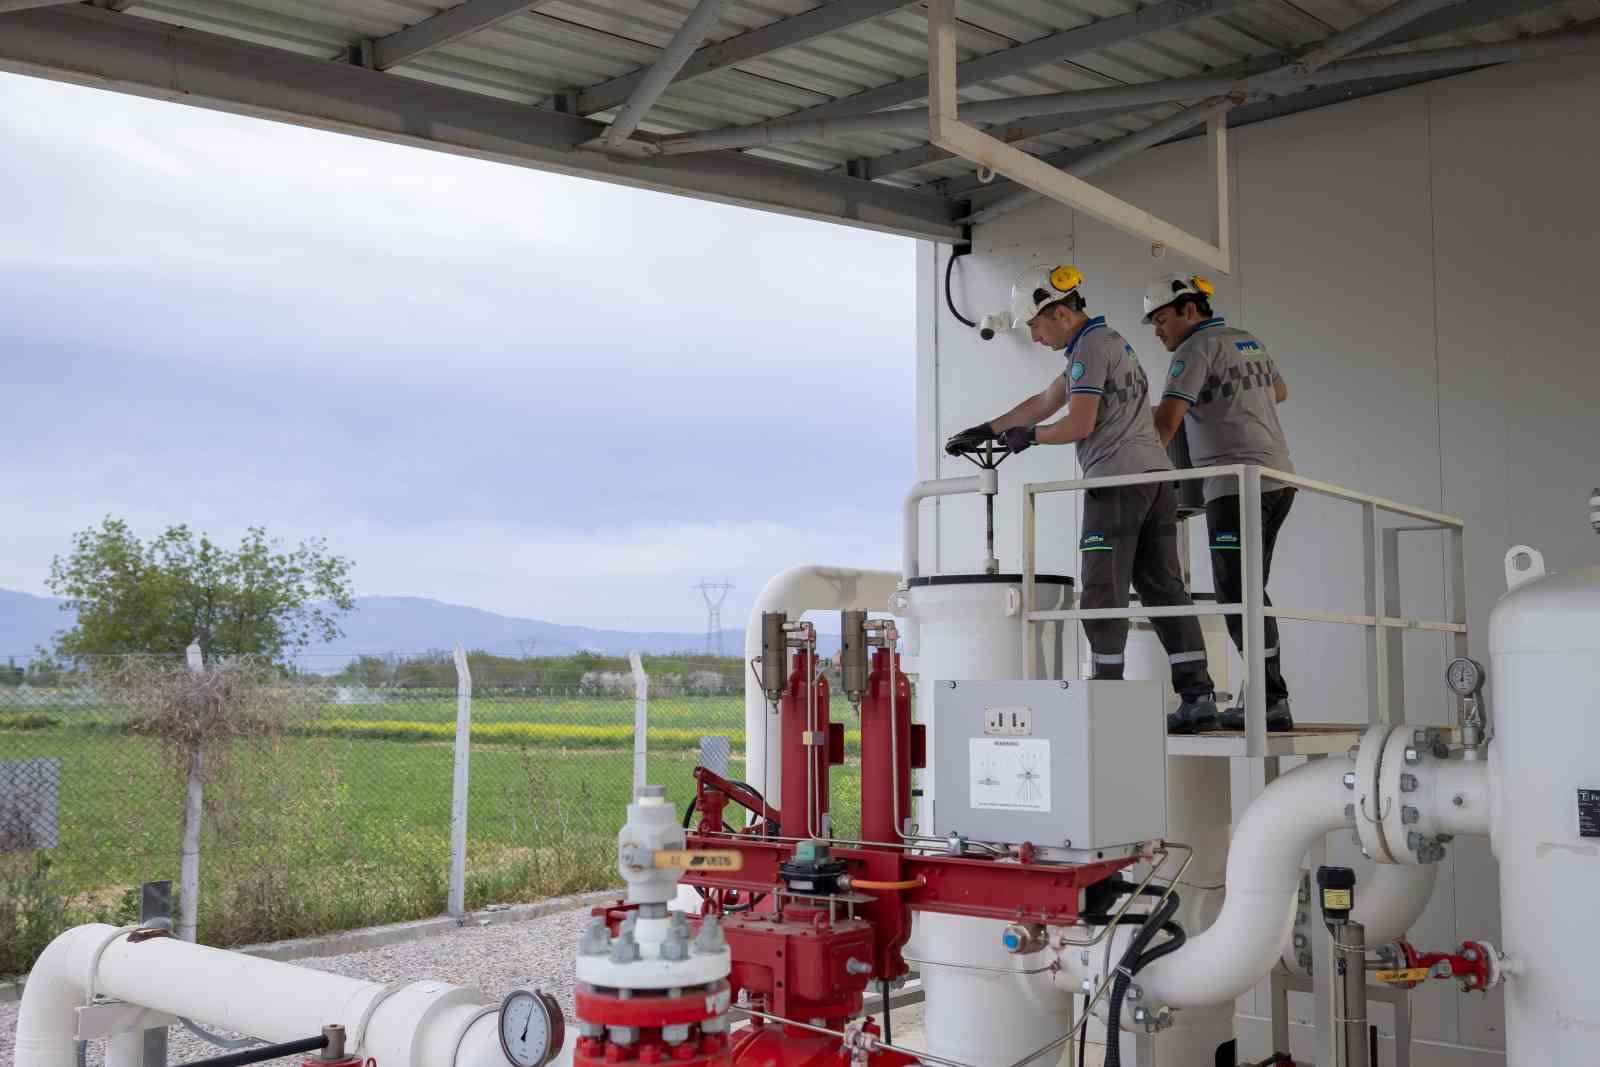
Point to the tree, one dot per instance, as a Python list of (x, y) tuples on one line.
[(260, 600)]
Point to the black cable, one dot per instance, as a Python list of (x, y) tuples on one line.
[(1132, 960), (263, 1052), (955, 254)]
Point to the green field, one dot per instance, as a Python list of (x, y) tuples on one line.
[(336, 826)]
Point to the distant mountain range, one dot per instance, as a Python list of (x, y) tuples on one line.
[(383, 624)]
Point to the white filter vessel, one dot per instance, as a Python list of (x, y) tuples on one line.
[(1544, 643), (968, 627)]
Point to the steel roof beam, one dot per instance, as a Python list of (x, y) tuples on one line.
[(701, 21), (449, 25), (1052, 49), (87, 46), (1394, 17), (1459, 16), (785, 33)]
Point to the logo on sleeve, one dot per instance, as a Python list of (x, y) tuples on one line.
[(1076, 370), (1177, 368), (1249, 348)]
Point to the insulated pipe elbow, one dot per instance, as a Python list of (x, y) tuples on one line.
[(1257, 920), (1393, 899), (794, 592)]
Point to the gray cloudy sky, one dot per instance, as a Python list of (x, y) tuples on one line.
[(524, 392)]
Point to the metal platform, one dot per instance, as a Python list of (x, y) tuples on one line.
[(1310, 739)]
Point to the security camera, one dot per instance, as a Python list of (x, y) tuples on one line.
[(993, 324)]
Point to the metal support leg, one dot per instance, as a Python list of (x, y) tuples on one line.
[(1255, 659), (155, 909), (1349, 987)]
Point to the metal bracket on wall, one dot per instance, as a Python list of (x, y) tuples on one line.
[(949, 133)]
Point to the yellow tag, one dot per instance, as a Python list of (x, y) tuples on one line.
[(1336, 899), (699, 860), (1409, 974)]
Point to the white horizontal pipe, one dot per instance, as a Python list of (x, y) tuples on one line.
[(986, 481), (423, 1023)]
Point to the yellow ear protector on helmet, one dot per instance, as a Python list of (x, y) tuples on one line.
[(1202, 285), (1066, 278)]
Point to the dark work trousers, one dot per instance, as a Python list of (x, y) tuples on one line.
[(1222, 520), (1130, 536)]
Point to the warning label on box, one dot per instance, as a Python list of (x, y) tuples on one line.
[(1589, 813), (1010, 775)]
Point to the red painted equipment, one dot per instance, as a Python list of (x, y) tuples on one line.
[(1474, 966), (811, 923), (659, 1027)]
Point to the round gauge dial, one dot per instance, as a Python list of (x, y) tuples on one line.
[(532, 1028), (1464, 676)]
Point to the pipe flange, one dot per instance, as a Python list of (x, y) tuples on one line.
[(1370, 812), (1409, 842)]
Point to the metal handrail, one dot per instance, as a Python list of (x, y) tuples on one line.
[(1385, 688)]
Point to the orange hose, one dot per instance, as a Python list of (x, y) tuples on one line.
[(915, 883)]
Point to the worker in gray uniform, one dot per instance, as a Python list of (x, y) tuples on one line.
[(1223, 380), (1129, 533)]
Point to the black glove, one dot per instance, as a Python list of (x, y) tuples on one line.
[(967, 440), (1017, 439)]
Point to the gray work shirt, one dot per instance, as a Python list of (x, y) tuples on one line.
[(1124, 439), (1227, 377)]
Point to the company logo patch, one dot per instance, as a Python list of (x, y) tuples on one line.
[(1177, 368), (1247, 347), (1076, 371)]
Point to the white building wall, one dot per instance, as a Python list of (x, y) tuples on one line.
[(1422, 266)]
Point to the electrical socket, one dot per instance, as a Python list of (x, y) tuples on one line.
[(1008, 720)]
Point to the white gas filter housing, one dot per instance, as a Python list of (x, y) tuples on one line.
[(1544, 644), (968, 626)]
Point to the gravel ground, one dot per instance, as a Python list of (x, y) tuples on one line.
[(492, 959)]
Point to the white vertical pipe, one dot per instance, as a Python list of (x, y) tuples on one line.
[(459, 786), (987, 481), (641, 719), (194, 806)]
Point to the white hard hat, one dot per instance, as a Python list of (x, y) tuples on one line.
[(1170, 288), (1038, 287)]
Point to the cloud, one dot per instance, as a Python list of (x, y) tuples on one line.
[(483, 383)]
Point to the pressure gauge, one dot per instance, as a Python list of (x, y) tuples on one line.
[(1464, 677), (532, 1028)]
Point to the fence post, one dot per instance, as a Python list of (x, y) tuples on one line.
[(189, 871), (641, 718), (458, 791)]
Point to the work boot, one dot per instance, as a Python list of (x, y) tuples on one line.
[(1193, 715), (1279, 718)]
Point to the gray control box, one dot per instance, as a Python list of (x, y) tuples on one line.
[(1079, 765)]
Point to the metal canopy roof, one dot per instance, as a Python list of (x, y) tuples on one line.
[(536, 83)]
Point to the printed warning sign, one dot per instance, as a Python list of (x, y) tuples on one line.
[(1010, 775), (1589, 813)]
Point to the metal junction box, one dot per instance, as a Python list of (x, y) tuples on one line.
[(1080, 765)]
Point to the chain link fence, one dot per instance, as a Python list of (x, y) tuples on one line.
[(339, 816)]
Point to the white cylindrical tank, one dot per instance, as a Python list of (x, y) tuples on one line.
[(968, 627), (1544, 644)]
